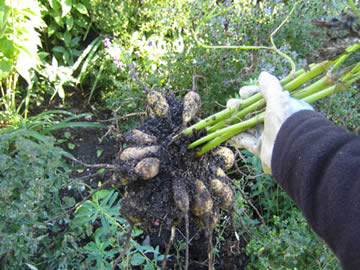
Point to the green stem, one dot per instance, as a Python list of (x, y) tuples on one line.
[(229, 132), (318, 90), (210, 120), (291, 77), (305, 77), (293, 67), (345, 56), (316, 86), (226, 133), (252, 108), (301, 77)]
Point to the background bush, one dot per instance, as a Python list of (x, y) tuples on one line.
[(91, 49)]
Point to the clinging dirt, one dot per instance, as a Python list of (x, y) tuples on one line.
[(166, 183)]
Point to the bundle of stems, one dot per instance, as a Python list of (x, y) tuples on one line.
[(317, 82)]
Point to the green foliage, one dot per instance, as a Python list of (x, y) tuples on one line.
[(68, 23), (32, 177), (19, 42), (19, 38), (281, 237), (289, 244), (56, 76), (46, 122), (106, 239), (154, 39), (116, 18), (342, 109), (160, 41)]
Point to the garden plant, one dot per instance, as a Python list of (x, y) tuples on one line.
[(114, 130)]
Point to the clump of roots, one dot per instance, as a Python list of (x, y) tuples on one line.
[(166, 183)]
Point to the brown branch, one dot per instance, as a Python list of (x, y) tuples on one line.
[(106, 166)]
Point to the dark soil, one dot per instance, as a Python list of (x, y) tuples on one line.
[(153, 200)]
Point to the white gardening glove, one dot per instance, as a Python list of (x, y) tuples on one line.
[(279, 106)]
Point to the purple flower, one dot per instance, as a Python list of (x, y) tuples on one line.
[(107, 43), (150, 44), (117, 62), (131, 66)]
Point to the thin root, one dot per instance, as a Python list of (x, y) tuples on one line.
[(172, 237), (187, 240)]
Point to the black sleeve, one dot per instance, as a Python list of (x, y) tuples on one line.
[(318, 165)]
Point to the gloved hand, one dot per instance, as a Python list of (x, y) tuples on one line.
[(279, 106)]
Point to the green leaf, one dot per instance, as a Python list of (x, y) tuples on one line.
[(60, 91), (4, 14), (59, 49), (148, 266), (51, 29), (69, 23), (67, 134), (7, 47), (5, 68), (66, 7), (137, 259), (71, 146), (67, 38), (31, 266), (101, 194), (54, 4), (100, 170), (72, 125), (81, 8)]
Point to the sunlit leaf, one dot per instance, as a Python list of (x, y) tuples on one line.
[(5, 68), (81, 8), (60, 91), (69, 23), (7, 47), (66, 7), (4, 13)]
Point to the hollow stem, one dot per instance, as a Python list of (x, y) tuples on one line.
[(229, 130), (233, 130), (300, 77), (305, 77)]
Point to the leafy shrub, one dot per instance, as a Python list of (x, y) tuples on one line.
[(289, 244), (19, 41), (281, 237), (342, 109), (68, 24), (160, 46), (99, 219), (33, 177)]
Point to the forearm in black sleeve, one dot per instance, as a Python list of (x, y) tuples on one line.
[(318, 165)]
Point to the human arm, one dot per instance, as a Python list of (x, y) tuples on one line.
[(318, 166), (316, 163)]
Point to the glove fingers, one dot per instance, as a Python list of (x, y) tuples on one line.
[(248, 91), (232, 102), (247, 141), (270, 86)]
